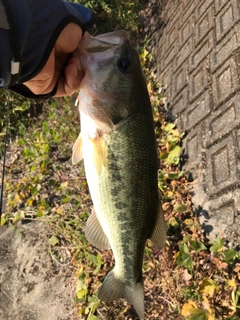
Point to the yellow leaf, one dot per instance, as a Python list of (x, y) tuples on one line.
[(64, 185), (144, 55), (60, 211), (188, 308), (231, 284), (208, 287), (206, 304)]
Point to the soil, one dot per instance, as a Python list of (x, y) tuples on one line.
[(33, 286)]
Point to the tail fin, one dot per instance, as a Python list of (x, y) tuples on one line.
[(114, 288)]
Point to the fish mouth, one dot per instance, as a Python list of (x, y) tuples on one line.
[(103, 42)]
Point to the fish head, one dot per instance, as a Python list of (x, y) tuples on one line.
[(113, 88)]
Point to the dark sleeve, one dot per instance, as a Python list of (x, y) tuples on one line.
[(28, 32)]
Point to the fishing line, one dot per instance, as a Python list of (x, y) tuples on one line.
[(4, 154)]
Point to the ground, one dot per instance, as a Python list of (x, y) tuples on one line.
[(32, 285)]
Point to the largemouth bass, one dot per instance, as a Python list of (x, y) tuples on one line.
[(117, 143)]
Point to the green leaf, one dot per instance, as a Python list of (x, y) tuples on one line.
[(199, 314), (53, 240), (173, 157), (99, 264), (197, 245), (164, 155), (81, 289), (180, 207), (169, 127), (183, 257), (173, 176), (217, 246), (230, 255), (92, 317), (173, 222), (208, 287)]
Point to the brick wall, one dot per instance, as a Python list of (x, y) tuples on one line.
[(197, 54)]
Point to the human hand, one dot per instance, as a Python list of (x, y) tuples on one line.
[(60, 69)]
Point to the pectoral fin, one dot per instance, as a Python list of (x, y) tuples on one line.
[(158, 237), (96, 153), (95, 234), (77, 154)]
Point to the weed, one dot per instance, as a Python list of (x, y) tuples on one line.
[(189, 278)]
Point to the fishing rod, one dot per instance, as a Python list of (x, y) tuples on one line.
[(4, 155)]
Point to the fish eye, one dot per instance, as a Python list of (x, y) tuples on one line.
[(123, 64)]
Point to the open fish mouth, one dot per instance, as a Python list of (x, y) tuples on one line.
[(105, 41)]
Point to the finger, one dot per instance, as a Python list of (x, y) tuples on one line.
[(69, 39), (73, 76)]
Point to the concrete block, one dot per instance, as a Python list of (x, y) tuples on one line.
[(219, 4), (221, 170), (179, 80), (224, 49), (184, 53), (199, 110), (226, 19), (185, 31), (201, 8), (188, 9), (198, 80), (194, 147), (202, 50), (225, 82), (169, 55), (223, 120), (204, 25), (180, 102)]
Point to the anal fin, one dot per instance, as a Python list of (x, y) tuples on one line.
[(96, 153), (95, 234)]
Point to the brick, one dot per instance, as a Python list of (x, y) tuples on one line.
[(204, 25), (179, 79), (223, 216), (165, 79), (224, 50), (184, 53), (219, 4), (171, 35), (226, 19), (187, 11), (173, 11), (221, 166), (201, 7), (199, 110), (185, 31), (224, 82), (238, 151), (202, 51), (224, 120), (194, 146), (169, 55), (180, 103), (198, 80)]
